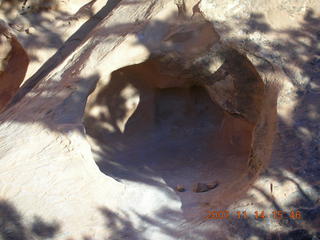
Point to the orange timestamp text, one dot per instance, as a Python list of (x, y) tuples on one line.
[(276, 214)]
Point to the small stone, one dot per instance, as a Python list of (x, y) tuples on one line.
[(204, 187), (180, 188)]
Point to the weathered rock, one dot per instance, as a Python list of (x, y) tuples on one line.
[(107, 168), (140, 99), (13, 64), (42, 27), (269, 30), (237, 86)]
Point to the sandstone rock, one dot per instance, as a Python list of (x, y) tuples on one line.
[(95, 143), (141, 105), (13, 65), (264, 27)]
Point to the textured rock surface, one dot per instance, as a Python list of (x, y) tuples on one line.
[(42, 27), (284, 34), (13, 64), (165, 112)]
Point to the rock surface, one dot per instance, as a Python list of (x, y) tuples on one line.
[(42, 27), (95, 143), (13, 64)]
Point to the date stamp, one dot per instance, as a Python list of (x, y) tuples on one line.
[(276, 214)]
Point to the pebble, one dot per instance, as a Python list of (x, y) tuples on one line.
[(180, 188), (204, 187)]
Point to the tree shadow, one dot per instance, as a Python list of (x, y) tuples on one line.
[(21, 16), (13, 226), (296, 148), (64, 50)]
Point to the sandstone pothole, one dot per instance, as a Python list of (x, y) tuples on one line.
[(154, 125)]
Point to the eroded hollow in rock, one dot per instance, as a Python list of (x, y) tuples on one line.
[(150, 127)]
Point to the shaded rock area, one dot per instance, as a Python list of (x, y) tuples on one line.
[(146, 125), (13, 64), (159, 119)]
